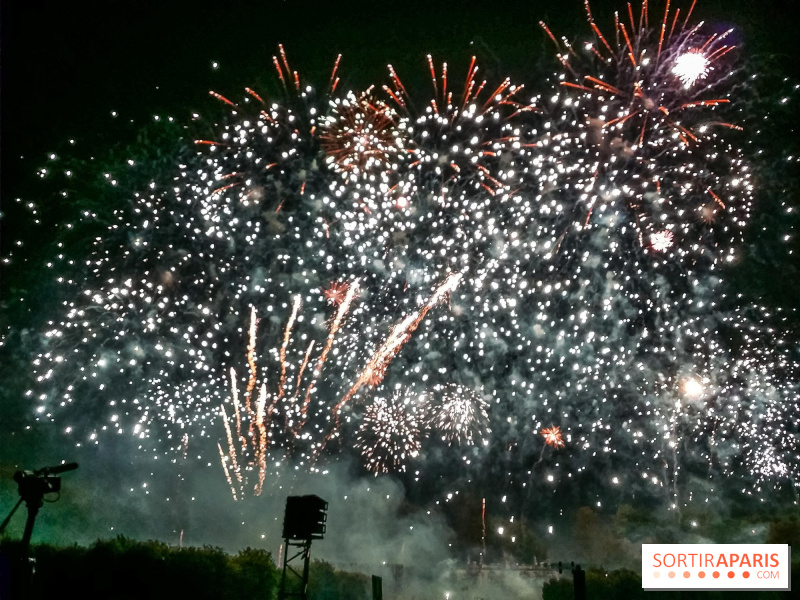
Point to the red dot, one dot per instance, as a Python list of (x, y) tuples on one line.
[(686, 574), (716, 574), (701, 574), (746, 574), (731, 574)]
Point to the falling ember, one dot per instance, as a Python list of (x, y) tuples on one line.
[(661, 241), (231, 445), (236, 409), (286, 336), (483, 528), (335, 325), (224, 459), (251, 359), (255, 445), (261, 451), (690, 67), (552, 436)]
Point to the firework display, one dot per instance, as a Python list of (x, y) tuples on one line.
[(537, 279)]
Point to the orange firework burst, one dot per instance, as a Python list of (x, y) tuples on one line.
[(268, 172), (552, 436), (360, 135), (653, 90), (336, 292)]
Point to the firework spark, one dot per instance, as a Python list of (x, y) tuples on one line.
[(661, 241), (376, 367)]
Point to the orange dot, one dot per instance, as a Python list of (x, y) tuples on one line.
[(715, 574), (701, 574), (671, 574), (656, 575), (686, 574), (731, 574), (746, 574)]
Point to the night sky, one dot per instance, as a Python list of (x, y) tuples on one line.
[(65, 66)]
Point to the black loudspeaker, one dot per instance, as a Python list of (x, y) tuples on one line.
[(305, 518)]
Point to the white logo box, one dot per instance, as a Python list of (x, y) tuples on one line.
[(716, 567)]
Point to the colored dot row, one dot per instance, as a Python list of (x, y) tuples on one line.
[(701, 574)]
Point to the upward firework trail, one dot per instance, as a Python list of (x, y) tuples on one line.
[(376, 367), (344, 307)]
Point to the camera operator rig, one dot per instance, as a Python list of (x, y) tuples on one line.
[(32, 487)]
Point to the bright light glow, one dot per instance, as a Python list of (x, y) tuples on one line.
[(691, 66)]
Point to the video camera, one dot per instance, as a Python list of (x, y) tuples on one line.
[(35, 484)]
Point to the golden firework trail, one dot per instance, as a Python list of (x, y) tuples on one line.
[(344, 307), (224, 460), (231, 446), (286, 336), (376, 367), (251, 361), (237, 409), (261, 450)]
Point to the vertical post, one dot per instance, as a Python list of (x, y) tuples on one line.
[(483, 530), (579, 583), (306, 560), (282, 588), (377, 588)]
